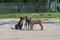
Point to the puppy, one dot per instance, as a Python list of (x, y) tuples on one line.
[(31, 21), (19, 24)]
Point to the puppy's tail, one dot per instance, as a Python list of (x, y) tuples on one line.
[(44, 19), (12, 28)]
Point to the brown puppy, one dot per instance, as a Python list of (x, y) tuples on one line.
[(33, 21)]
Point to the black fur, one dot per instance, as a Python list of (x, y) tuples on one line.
[(19, 25)]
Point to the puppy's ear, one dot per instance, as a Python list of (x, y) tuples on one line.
[(30, 17), (25, 16), (20, 17)]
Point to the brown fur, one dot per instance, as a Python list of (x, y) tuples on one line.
[(35, 21)]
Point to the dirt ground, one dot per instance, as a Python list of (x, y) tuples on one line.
[(51, 30)]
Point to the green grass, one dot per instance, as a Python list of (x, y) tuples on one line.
[(34, 15)]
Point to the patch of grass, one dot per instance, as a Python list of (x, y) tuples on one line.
[(34, 15)]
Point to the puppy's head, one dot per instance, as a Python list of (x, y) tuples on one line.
[(23, 18)]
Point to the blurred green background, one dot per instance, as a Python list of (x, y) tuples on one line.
[(34, 15), (34, 8)]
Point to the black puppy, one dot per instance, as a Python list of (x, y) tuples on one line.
[(19, 24)]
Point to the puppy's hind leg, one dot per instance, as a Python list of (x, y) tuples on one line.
[(20, 27), (31, 27), (41, 26), (16, 27)]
